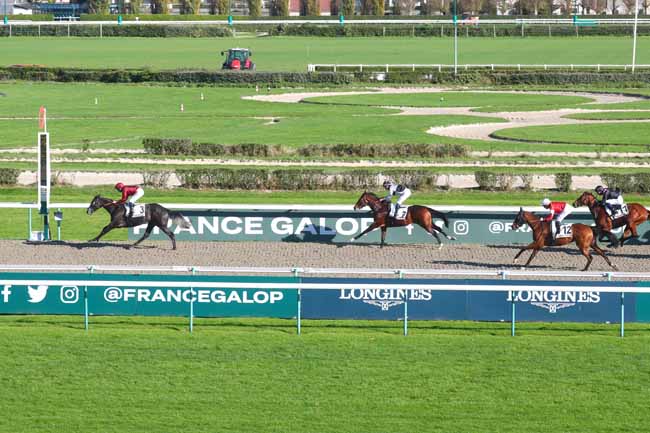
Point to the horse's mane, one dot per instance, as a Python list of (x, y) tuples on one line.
[(372, 194)]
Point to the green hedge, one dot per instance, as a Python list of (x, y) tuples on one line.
[(185, 146), (628, 182), (115, 30), (288, 179), (276, 79), (9, 176), (397, 29), (224, 78)]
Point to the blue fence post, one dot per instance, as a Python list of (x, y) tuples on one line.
[(400, 275), (296, 274), (192, 304)]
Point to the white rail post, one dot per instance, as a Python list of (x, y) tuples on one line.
[(192, 303), (296, 274), (504, 276), (91, 269), (400, 275)]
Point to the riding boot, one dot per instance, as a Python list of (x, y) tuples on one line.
[(129, 209), (557, 228)]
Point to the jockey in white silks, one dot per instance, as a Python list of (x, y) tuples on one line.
[(401, 191)]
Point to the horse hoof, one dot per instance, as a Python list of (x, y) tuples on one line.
[(452, 238), (440, 247), (351, 240)]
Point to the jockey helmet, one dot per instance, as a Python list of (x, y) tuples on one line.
[(599, 189), (546, 202), (387, 184), (119, 186)]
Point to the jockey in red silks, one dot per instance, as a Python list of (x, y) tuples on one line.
[(130, 194), (558, 211)]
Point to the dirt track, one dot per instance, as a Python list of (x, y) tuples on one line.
[(632, 258)]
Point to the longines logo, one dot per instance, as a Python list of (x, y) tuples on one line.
[(553, 301), (385, 298)]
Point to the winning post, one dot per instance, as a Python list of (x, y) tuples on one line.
[(44, 171)]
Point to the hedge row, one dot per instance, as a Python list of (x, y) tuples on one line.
[(115, 30), (312, 179), (217, 77), (9, 176), (316, 30), (185, 146), (233, 78)]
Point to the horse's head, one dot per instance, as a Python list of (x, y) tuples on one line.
[(366, 199), (97, 202), (586, 199)]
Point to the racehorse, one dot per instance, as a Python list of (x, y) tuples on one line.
[(581, 234), (637, 214), (420, 215), (155, 215)]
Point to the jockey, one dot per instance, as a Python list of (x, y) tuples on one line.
[(559, 211), (612, 199), (394, 189), (132, 193)]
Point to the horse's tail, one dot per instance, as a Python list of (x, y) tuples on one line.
[(179, 220), (437, 214)]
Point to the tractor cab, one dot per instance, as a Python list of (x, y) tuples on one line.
[(238, 59)]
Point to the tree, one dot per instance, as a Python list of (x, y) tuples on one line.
[(279, 8), (223, 7), (347, 7), (379, 8), (160, 7), (404, 7), (629, 5), (98, 7), (254, 8), (135, 6), (190, 7)]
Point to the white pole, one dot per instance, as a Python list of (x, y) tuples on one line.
[(456, 40), (636, 20)]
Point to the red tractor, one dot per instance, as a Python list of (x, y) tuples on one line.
[(238, 59)]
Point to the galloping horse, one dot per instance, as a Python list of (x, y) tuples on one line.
[(420, 215), (582, 235), (155, 215), (637, 214)]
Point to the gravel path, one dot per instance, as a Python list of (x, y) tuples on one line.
[(631, 258)]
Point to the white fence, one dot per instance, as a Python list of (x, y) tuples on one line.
[(400, 283), (376, 68)]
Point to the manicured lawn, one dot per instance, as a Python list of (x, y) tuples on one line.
[(612, 116), (607, 133), (253, 375), (295, 53)]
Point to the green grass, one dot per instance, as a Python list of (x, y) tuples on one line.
[(79, 226), (608, 133), (486, 101), (127, 113), (252, 375), (294, 53), (631, 115)]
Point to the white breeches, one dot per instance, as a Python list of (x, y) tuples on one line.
[(135, 197), (567, 210), (402, 198)]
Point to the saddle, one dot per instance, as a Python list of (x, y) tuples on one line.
[(400, 214), (619, 212), (138, 210), (565, 230)]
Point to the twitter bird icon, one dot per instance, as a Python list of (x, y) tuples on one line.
[(37, 294)]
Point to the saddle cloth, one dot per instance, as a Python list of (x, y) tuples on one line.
[(565, 231), (621, 212), (401, 212), (138, 210)]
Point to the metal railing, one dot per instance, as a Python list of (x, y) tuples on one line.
[(378, 68), (400, 283)]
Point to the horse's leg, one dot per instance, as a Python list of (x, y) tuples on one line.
[(170, 234), (585, 252), (530, 259), (527, 247), (601, 253), (105, 230), (612, 238), (631, 228), (146, 233), (433, 233), (373, 226), (383, 236)]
